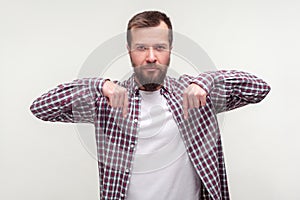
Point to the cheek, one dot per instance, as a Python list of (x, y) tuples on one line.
[(164, 59), (137, 60)]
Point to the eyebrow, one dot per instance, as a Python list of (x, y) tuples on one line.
[(165, 44)]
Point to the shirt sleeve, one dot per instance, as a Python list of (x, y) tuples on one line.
[(70, 102), (232, 89)]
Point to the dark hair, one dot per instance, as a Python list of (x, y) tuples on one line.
[(148, 19)]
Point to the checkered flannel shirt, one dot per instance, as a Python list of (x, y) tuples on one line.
[(82, 101)]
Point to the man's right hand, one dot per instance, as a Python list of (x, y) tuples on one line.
[(117, 96)]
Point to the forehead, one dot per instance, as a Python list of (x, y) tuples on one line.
[(150, 35)]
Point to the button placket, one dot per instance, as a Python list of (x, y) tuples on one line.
[(132, 146)]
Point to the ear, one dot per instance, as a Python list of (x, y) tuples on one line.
[(128, 48), (170, 50)]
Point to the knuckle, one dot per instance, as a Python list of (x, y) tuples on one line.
[(191, 95), (198, 94)]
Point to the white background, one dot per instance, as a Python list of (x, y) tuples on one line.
[(44, 43)]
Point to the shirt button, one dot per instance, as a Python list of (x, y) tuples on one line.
[(122, 195), (135, 120), (132, 146), (127, 170)]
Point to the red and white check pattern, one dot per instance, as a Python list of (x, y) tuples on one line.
[(82, 101)]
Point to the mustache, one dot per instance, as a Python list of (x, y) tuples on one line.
[(152, 65)]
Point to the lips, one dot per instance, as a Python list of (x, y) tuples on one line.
[(151, 69)]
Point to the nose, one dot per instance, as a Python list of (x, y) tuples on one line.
[(151, 57)]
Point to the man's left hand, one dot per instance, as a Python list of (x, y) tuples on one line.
[(193, 97)]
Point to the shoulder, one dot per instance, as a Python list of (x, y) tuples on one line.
[(178, 84)]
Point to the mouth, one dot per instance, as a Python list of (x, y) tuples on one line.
[(151, 69)]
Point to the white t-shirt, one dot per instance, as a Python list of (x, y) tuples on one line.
[(162, 169)]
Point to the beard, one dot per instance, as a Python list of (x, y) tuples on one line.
[(150, 80)]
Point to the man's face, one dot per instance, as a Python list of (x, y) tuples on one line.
[(150, 55)]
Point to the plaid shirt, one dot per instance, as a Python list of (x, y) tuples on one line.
[(82, 101)]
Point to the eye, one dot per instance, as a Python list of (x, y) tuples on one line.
[(141, 48), (160, 48)]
